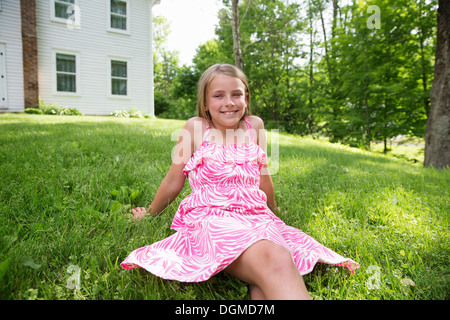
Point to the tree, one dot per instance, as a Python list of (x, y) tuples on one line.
[(324, 66), (437, 134), (238, 61), (165, 62), (377, 75), (269, 36), (208, 54)]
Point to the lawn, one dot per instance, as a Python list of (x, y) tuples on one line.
[(66, 182)]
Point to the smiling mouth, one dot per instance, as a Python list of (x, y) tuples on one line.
[(229, 112)]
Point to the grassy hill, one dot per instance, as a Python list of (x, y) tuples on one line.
[(66, 183)]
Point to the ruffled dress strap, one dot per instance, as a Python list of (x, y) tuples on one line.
[(249, 128), (197, 156), (206, 134)]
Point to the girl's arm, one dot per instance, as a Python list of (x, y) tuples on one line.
[(266, 184), (173, 183)]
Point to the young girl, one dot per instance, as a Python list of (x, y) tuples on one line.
[(228, 223)]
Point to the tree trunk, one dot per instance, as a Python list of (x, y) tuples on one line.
[(311, 57), (437, 134), (426, 99), (366, 107), (238, 61), (325, 44)]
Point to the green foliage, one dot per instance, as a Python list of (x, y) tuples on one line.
[(359, 85), (208, 54), (66, 202), (70, 112), (376, 91), (118, 201), (165, 62), (131, 113), (318, 67), (185, 83), (183, 108), (162, 103), (120, 114), (174, 87), (52, 109), (33, 111)]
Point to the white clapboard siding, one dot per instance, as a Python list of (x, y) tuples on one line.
[(94, 45), (11, 38)]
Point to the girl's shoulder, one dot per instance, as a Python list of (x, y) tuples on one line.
[(195, 119), (257, 125), (256, 122), (194, 122), (196, 126)]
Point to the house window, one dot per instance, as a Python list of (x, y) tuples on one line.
[(119, 77), (66, 73), (119, 19), (61, 8)]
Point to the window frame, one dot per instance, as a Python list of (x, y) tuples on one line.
[(4, 103), (109, 28), (53, 16), (77, 73), (110, 59)]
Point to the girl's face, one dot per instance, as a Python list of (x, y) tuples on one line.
[(226, 100)]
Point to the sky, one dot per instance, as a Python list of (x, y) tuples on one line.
[(192, 23)]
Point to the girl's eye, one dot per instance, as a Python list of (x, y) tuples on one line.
[(234, 95)]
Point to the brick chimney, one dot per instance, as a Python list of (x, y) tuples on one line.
[(30, 53)]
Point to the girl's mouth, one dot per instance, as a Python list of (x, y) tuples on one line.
[(229, 112)]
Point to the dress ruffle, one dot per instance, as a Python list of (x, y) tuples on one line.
[(227, 154)]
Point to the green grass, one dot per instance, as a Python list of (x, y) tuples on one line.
[(66, 182), (408, 150)]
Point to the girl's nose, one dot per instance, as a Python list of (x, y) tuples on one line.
[(229, 102)]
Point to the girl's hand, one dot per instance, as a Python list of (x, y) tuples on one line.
[(139, 213), (277, 211)]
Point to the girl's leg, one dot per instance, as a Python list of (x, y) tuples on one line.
[(256, 293), (269, 267)]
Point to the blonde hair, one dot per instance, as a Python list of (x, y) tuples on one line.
[(208, 76)]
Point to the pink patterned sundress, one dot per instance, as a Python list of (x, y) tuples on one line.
[(224, 215)]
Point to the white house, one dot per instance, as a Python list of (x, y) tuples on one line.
[(11, 67), (95, 56)]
